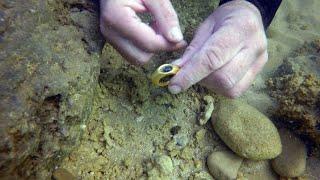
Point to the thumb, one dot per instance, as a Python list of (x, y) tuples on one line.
[(166, 19)]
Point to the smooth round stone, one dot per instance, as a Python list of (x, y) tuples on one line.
[(292, 161), (257, 170), (224, 164), (246, 131)]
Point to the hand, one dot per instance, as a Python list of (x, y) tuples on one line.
[(135, 40), (227, 52)]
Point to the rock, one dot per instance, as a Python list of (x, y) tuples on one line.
[(224, 164), (246, 131), (208, 109), (292, 161), (164, 164), (62, 174), (295, 86), (312, 171), (202, 175), (257, 170), (47, 80)]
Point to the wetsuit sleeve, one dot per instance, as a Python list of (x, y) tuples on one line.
[(267, 8)]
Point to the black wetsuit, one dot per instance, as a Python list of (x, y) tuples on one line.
[(268, 9)]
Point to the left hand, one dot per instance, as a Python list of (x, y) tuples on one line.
[(228, 51)]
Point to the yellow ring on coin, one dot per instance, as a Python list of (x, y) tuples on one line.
[(163, 74)]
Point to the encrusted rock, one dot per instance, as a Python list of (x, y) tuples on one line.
[(164, 164), (296, 88), (246, 131), (202, 175), (292, 161), (47, 77)]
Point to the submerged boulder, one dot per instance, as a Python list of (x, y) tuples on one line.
[(246, 131)]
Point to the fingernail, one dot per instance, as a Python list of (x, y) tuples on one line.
[(174, 89), (176, 34)]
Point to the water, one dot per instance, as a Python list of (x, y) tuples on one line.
[(110, 122)]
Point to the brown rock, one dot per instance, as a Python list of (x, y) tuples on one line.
[(62, 174), (292, 161)]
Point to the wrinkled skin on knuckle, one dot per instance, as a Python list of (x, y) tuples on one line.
[(212, 58), (186, 81), (190, 48), (224, 80), (258, 44), (251, 24)]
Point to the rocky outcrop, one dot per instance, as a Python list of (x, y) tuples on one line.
[(49, 53), (296, 89)]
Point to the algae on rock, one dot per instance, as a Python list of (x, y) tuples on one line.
[(246, 131), (46, 80), (296, 89)]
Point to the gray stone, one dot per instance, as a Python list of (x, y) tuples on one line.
[(246, 131), (257, 170), (292, 161), (224, 164)]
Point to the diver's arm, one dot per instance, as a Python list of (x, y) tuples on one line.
[(267, 8)]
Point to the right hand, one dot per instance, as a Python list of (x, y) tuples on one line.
[(135, 40)]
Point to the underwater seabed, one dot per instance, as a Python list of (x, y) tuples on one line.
[(71, 112)]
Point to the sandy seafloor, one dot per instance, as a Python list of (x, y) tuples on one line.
[(134, 122)]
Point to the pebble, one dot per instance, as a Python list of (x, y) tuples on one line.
[(164, 164), (257, 170), (292, 161), (246, 131), (224, 164), (62, 174), (208, 109), (202, 175)]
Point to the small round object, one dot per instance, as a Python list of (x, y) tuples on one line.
[(163, 74)]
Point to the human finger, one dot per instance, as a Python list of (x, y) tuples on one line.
[(247, 79), (229, 75), (201, 36), (127, 49), (166, 19), (125, 20), (221, 47)]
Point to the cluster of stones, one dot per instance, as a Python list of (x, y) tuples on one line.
[(251, 136)]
